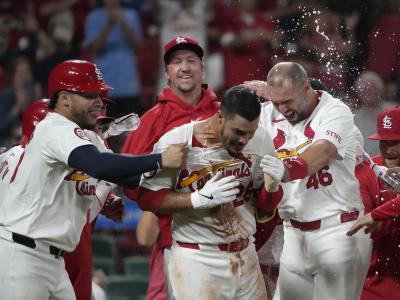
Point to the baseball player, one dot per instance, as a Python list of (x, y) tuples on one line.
[(383, 209), (45, 207), (185, 99), (79, 262), (213, 254), (314, 138), (269, 234)]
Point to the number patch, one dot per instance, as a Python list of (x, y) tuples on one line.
[(322, 177)]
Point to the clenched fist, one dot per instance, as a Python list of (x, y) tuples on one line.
[(175, 156), (114, 208)]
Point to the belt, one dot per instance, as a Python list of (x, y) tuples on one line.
[(315, 225), (269, 270), (235, 246), (30, 243)]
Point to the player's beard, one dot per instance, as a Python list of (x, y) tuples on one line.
[(302, 114), (82, 119)]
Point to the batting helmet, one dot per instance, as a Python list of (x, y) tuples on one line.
[(76, 75), (32, 115)]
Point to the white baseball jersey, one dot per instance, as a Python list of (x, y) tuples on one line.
[(8, 162), (225, 223), (332, 189), (47, 200)]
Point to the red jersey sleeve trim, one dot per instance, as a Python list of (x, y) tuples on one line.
[(149, 200)]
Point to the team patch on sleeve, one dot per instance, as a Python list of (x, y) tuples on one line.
[(81, 134)]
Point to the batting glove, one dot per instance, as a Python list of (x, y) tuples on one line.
[(215, 192), (273, 167)]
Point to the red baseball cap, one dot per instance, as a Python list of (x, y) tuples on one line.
[(388, 125), (182, 42)]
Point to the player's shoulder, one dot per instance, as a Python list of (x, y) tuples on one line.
[(155, 114), (180, 134), (330, 102)]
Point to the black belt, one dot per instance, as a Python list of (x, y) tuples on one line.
[(29, 242)]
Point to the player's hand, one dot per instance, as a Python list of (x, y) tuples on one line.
[(215, 192), (114, 208), (364, 221), (273, 167), (3, 149), (260, 87), (175, 156)]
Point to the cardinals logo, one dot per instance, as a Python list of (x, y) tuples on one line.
[(280, 139), (309, 132)]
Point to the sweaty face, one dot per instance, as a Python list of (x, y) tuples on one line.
[(290, 101), (390, 151), (235, 133), (184, 72), (85, 108)]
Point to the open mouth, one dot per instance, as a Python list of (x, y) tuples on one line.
[(290, 115)]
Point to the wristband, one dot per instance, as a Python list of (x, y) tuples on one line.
[(297, 168)]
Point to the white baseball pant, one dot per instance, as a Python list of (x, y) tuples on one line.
[(32, 274), (209, 273), (323, 263)]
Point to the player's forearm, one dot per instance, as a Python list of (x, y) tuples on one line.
[(315, 157), (387, 211), (126, 182), (147, 229), (104, 165), (175, 202)]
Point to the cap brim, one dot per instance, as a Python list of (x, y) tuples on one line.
[(388, 137)]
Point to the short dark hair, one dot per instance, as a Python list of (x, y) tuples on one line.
[(241, 100), (53, 101)]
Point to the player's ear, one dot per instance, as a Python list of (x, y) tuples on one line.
[(166, 75), (64, 98)]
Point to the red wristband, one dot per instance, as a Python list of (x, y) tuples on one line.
[(297, 168)]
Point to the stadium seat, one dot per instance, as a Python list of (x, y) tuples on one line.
[(107, 264), (136, 265), (131, 287), (104, 246)]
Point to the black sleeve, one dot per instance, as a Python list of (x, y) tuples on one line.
[(128, 182), (108, 166)]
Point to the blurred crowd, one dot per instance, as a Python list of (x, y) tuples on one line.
[(352, 46)]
